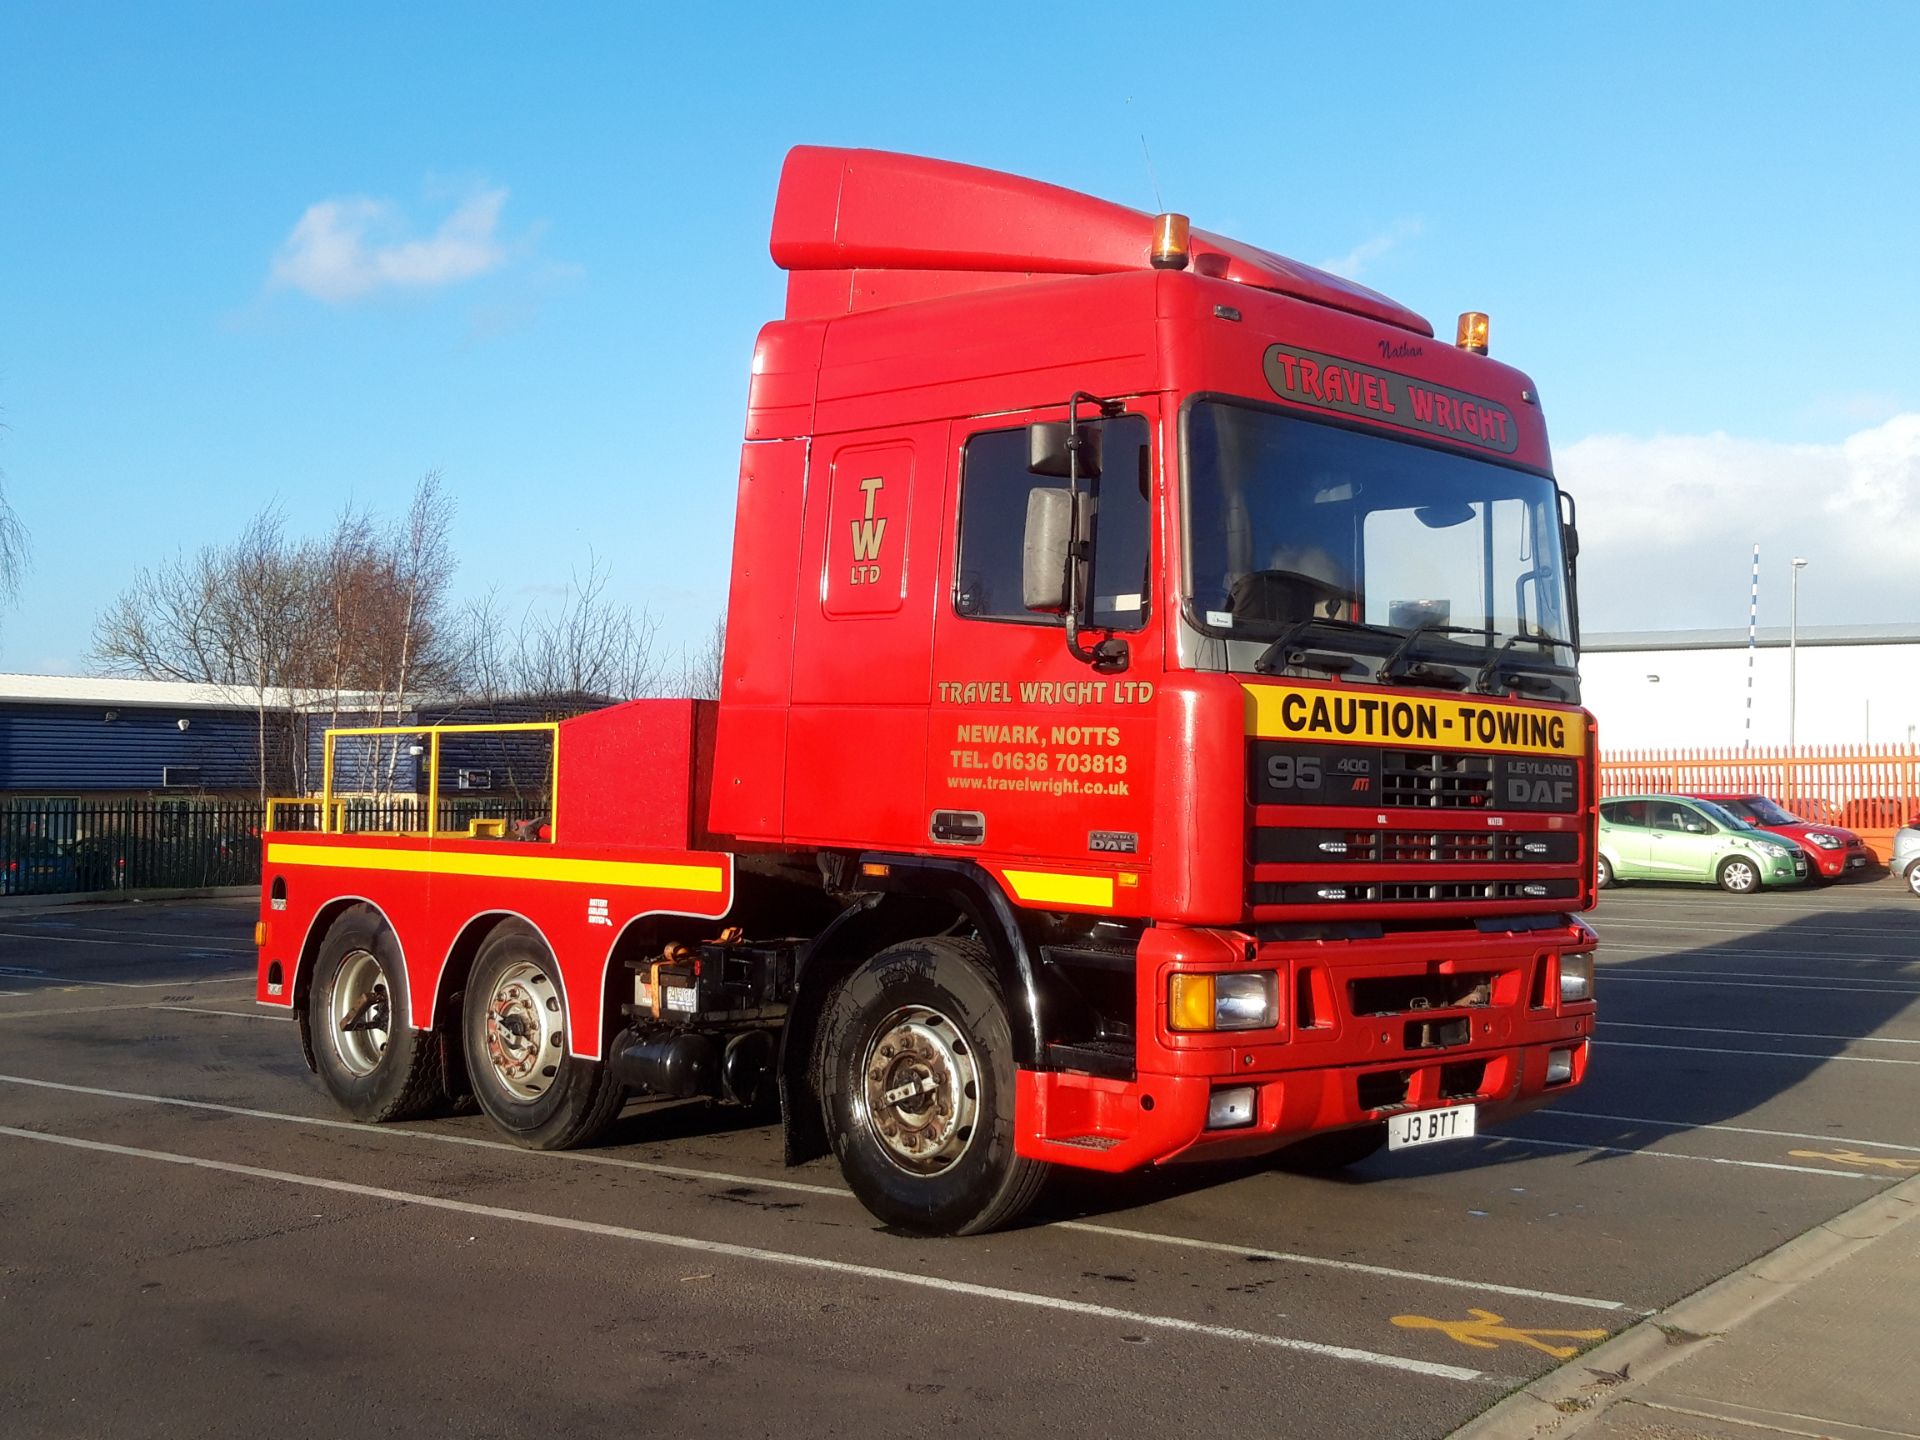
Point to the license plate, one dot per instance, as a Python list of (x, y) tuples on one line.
[(1424, 1127), (1855, 862)]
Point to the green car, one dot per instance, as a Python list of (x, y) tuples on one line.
[(1669, 837)]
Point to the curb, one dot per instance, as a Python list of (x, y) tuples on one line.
[(1567, 1400), (96, 899)]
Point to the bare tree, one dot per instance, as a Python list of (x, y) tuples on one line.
[(14, 549), (360, 613), (700, 671), (591, 646)]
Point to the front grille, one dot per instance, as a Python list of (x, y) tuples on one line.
[(1277, 845), (1347, 892), (1399, 994), (1435, 780)]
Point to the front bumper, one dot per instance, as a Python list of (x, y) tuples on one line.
[(1343, 1055)]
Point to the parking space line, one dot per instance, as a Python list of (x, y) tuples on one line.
[(681, 1172), (64, 927), (1598, 922), (58, 981), (1757, 1034), (1764, 1054), (127, 945), (1223, 1247), (1496, 1140), (1717, 952), (1820, 986), (794, 1259), (1558, 1114)]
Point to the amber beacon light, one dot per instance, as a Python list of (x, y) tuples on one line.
[(1170, 234), (1472, 335)]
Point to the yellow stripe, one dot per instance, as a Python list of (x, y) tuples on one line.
[(1035, 885), (705, 879), (1354, 715)]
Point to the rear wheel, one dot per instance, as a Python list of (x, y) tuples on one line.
[(1913, 878), (1739, 874), (515, 1034), (1602, 874), (915, 1063), (370, 1058), (1336, 1150)]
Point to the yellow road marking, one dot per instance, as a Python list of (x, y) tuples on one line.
[(1486, 1331), (1043, 888), (1854, 1157), (704, 879)]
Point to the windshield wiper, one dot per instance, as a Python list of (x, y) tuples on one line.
[(1390, 668), (1490, 672), (1282, 650)]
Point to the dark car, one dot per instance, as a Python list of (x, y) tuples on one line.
[(1833, 850)]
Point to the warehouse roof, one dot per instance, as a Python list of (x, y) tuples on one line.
[(1768, 637)]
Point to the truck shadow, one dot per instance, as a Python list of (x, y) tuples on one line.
[(1694, 1036)]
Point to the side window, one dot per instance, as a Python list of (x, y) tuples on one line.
[(994, 484), (1626, 812), (1678, 817)]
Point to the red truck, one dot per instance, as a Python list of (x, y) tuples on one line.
[(1149, 731)]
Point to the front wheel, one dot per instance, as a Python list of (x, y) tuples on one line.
[(515, 1029), (1913, 878), (915, 1065), (1739, 875)]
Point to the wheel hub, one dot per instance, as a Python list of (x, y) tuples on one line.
[(360, 1009), (922, 1090), (525, 1042)]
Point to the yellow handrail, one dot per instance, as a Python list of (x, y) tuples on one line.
[(332, 807)]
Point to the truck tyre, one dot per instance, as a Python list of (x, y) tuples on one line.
[(1602, 874), (916, 1073), (369, 1056), (514, 1031), (1335, 1150), (1739, 875)]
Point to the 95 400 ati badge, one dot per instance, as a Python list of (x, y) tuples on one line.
[(1113, 842)]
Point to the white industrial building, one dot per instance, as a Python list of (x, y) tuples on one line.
[(1856, 684)]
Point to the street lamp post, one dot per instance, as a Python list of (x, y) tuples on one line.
[(1793, 658)]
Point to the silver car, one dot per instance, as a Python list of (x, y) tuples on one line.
[(1906, 854)]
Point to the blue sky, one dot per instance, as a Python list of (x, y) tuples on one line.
[(1693, 225)]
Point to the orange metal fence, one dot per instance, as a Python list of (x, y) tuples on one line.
[(1873, 789)]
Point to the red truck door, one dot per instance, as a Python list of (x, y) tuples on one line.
[(1034, 755), (862, 678)]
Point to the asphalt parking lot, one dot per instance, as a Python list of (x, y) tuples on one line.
[(196, 1243)]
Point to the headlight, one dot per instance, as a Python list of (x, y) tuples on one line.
[(1827, 842), (1576, 978), (1235, 1000)]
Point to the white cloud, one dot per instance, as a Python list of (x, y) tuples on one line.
[(1357, 260), (347, 248), (1668, 524)]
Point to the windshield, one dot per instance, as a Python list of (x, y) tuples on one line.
[(1289, 520), (1768, 813), (1728, 819)]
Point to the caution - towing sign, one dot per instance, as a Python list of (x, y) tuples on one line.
[(1298, 712)]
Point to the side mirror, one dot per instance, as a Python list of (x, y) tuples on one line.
[(1696, 827), (1043, 558), (1047, 450)]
